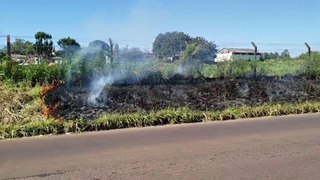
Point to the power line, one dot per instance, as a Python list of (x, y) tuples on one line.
[(136, 41), (263, 46)]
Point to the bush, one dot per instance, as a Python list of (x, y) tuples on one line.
[(2, 56), (79, 71), (32, 74), (314, 56), (311, 69)]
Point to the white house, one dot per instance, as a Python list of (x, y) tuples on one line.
[(18, 57), (233, 54)]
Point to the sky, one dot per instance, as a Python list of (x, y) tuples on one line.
[(274, 25)]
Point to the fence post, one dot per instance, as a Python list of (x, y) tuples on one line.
[(255, 58), (309, 49), (8, 47)]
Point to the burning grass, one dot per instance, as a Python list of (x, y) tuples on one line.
[(26, 117), (154, 97), (49, 109)]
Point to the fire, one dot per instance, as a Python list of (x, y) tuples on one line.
[(49, 110)]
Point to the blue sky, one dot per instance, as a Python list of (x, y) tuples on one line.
[(274, 25)]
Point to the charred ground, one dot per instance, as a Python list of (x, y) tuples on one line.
[(151, 94)]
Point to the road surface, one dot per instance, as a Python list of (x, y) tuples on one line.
[(285, 147)]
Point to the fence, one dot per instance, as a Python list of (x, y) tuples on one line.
[(295, 49)]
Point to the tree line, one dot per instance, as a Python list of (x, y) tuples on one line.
[(178, 45), (43, 47), (169, 46)]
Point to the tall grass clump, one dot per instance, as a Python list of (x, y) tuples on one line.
[(271, 68), (311, 69), (32, 74)]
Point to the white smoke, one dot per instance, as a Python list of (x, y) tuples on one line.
[(97, 94), (182, 71), (186, 69), (96, 90), (118, 73)]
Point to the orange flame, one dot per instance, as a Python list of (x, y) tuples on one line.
[(49, 110)]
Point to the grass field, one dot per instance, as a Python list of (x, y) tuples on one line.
[(21, 106), (82, 71)]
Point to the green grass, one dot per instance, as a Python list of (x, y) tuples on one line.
[(163, 117), (79, 71), (20, 107), (275, 68)]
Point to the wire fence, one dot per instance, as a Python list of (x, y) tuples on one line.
[(295, 48)]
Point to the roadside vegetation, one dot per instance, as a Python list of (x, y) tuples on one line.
[(162, 117), (40, 74), (22, 109)]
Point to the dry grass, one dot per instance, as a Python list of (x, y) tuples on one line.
[(168, 116), (19, 104)]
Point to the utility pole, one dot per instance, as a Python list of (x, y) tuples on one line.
[(111, 44), (255, 50), (309, 49), (8, 47), (255, 58)]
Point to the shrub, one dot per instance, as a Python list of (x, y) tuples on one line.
[(311, 69), (80, 70)]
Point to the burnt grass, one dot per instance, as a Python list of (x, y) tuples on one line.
[(150, 94)]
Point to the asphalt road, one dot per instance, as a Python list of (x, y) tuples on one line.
[(285, 147)]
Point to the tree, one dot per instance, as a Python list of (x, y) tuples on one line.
[(131, 55), (100, 60), (96, 48), (285, 54), (70, 46), (266, 56), (116, 50), (30, 49), (271, 55), (43, 45), (20, 46), (98, 45), (170, 44), (276, 55), (199, 50), (110, 50)]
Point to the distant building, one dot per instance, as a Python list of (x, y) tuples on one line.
[(56, 59), (18, 58), (235, 54), (32, 59), (108, 60), (25, 59)]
